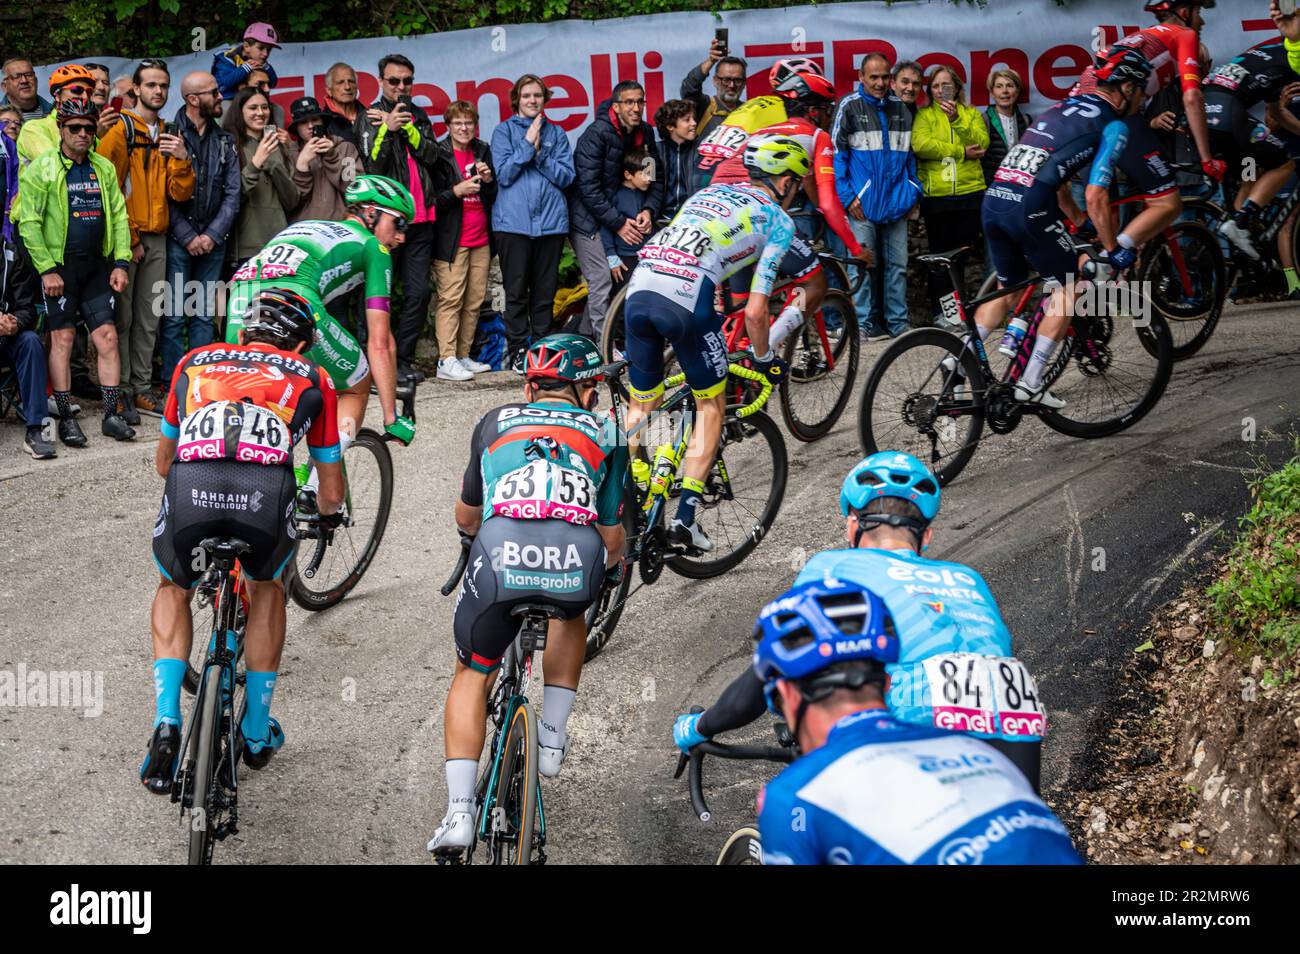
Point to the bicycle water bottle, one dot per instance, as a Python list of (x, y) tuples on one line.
[(641, 474), (1014, 337), (665, 465)]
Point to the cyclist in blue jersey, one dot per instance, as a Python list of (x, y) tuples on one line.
[(869, 789), (955, 668), (721, 230), (1027, 205)]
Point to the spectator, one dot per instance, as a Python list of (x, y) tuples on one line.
[(531, 214), (729, 81), (907, 83), (11, 123), (326, 165), (675, 120), (630, 200), (949, 138), (122, 86), (875, 176), (74, 226), (462, 241), (39, 136), (1003, 119), (397, 141), (598, 169), (266, 156), (196, 241), (20, 89), (265, 82), (232, 66), (341, 102), (149, 181)]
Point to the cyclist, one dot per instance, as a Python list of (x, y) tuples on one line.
[(939, 610), (1028, 202), (869, 789), (1259, 75), (720, 230), (541, 473), (232, 418), (328, 264)]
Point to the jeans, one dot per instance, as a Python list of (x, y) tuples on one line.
[(889, 242), (189, 320), (25, 353)]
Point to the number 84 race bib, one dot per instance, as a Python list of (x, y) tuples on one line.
[(986, 695)]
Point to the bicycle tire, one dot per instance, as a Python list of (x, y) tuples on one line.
[(1190, 326), (736, 433), (198, 651), (207, 742), (1160, 348), (516, 795), (604, 614), (744, 847), (367, 441), (809, 372), (869, 422)]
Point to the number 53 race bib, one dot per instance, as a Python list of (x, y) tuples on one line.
[(543, 489)]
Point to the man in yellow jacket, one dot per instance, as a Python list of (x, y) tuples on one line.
[(153, 165)]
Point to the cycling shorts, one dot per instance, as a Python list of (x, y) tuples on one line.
[(650, 320), (224, 498), (1022, 241), (336, 349), (522, 561), (1231, 131), (87, 296)]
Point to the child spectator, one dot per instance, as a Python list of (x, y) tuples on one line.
[(231, 67), (638, 174)]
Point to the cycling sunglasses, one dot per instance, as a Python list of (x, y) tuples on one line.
[(399, 220)]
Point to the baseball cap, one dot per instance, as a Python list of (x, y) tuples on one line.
[(262, 33), (305, 108)]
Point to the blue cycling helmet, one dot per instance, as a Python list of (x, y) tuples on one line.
[(890, 474), (815, 625)]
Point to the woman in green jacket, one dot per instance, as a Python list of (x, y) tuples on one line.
[(949, 137), (266, 160)]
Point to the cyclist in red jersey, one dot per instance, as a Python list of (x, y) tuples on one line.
[(1171, 47)]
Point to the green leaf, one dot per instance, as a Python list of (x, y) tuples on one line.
[(1145, 646)]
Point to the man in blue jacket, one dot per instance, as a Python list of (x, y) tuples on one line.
[(875, 175)]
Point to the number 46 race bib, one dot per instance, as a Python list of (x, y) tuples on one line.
[(542, 490), (967, 692), (235, 430)]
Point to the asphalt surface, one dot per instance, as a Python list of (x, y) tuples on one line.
[(1078, 539)]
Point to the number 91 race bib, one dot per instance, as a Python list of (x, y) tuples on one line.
[(234, 430), (543, 490), (993, 696)]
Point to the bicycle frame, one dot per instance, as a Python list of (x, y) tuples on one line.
[(1175, 250)]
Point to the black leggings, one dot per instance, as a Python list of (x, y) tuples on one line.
[(530, 271)]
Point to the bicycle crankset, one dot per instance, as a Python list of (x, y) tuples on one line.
[(1001, 410), (652, 554)]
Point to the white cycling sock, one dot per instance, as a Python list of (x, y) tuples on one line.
[(313, 479), (789, 319), (1043, 350), (552, 727), (461, 777)]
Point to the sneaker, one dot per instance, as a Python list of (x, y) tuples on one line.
[(1040, 396), (258, 752), (474, 367), (519, 362), (126, 408), (690, 536), (410, 371), (1239, 237), (1294, 295), (454, 835), (875, 334), (550, 759), (953, 327), (449, 369), (37, 445), (148, 403), (70, 432), (117, 428), (160, 760)]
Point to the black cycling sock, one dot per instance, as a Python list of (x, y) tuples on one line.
[(112, 394), (1246, 214), (63, 401)]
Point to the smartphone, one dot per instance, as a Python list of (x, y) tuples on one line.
[(1287, 7), (115, 104), (171, 129), (406, 101), (947, 93), (720, 35), (318, 131)]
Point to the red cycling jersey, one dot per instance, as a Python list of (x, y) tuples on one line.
[(1170, 48)]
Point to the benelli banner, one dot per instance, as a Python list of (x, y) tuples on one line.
[(1049, 46)]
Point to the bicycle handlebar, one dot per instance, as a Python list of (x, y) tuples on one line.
[(765, 753), (739, 371), (461, 562)]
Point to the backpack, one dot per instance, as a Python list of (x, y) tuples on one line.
[(490, 341)]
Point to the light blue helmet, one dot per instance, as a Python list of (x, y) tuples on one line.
[(890, 474)]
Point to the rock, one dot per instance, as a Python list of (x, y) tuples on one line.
[(1179, 829), (1257, 666), (1213, 785), (1246, 858), (1199, 755), (1185, 632), (1207, 651), (1097, 823)]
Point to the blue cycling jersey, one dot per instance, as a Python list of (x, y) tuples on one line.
[(955, 668), (882, 792)]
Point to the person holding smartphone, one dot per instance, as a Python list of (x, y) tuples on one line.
[(267, 155), (729, 76), (326, 163)]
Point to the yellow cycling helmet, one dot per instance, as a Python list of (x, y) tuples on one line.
[(769, 155)]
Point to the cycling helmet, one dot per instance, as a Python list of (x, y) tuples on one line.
[(381, 191), (1122, 64), (890, 474), (1164, 6), (801, 79), (815, 625), (767, 155), (565, 358), (72, 73), (284, 315), (76, 109)]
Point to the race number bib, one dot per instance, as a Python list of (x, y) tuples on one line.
[(689, 241), (723, 142), (1021, 165), (991, 695), (203, 433), (278, 261), (237, 430), (1229, 75), (543, 490), (263, 437)]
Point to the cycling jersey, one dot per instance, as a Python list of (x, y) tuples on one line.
[(881, 792), (1172, 50), (324, 262), (250, 403), (721, 155), (547, 460), (955, 668), (1257, 75)]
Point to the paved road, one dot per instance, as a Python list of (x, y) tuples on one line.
[(360, 778)]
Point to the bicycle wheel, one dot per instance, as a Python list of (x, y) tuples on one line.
[(742, 848), (369, 498), (604, 614), (1184, 276), (613, 342), (822, 370), (742, 495), (913, 403), (1110, 370), (204, 619), (205, 743), (515, 801)]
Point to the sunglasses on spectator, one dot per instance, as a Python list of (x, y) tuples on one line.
[(400, 81), (79, 129), (153, 64)]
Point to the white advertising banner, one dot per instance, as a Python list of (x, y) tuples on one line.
[(582, 60)]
